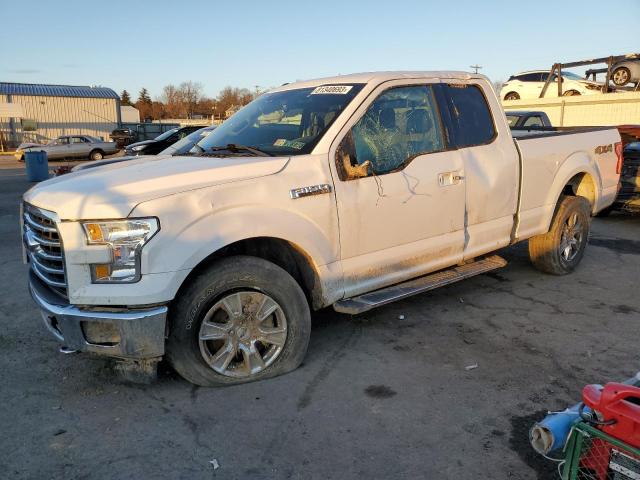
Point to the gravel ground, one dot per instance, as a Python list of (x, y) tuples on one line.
[(378, 396)]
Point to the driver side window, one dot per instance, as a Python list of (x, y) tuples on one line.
[(401, 124)]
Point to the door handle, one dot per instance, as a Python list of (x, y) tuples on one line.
[(449, 178)]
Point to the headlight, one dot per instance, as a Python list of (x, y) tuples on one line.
[(138, 148), (126, 239)]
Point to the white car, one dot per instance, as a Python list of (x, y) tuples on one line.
[(530, 84)]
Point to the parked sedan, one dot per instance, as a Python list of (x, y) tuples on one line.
[(162, 141), (178, 148), (70, 146), (530, 85), (626, 71)]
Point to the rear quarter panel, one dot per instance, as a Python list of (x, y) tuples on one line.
[(550, 162)]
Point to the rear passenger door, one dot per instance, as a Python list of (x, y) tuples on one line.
[(530, 84), (80, 146), (60, 149), (399, 194), (490, 162)]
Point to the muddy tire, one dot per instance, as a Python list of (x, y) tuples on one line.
[(241, 320), (560, 250)]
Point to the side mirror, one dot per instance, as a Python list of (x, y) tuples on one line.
[(347, 162)]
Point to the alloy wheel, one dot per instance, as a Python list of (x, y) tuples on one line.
[(571, 238), (243, 333)]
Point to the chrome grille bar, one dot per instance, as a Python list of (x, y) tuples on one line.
[(44, 248), (38, 226)]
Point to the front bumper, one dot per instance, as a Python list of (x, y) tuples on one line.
[(137, 334)]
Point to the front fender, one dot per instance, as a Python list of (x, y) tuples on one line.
[(192, 229)]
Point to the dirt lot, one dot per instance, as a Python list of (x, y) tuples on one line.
[(377, 397)]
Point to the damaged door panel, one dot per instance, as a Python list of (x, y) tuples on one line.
[(392, 206)]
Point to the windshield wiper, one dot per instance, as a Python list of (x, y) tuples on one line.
[(235, 148)]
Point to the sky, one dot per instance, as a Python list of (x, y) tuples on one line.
[(135, 44)]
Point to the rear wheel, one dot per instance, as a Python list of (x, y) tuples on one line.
[(621, 76), (560, 250), (244, 319), (571, 93), (96, 155), (512, 96)]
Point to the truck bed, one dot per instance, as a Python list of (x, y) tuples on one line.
[(550, 157), (543, 132)]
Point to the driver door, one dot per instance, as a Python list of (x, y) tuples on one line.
[(400, 194), (61, 148)]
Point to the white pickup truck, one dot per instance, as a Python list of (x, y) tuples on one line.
[(349, 192)]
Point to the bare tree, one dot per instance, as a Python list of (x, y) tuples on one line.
[(172, 101), (190, 94), (230, 96)]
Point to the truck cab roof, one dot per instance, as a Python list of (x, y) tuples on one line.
[(378, 77)]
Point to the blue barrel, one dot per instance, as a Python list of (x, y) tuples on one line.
[(37, 166)]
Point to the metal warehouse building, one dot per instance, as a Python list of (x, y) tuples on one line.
[(38, 113)]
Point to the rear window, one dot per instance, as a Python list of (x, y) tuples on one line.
[(470, 120)]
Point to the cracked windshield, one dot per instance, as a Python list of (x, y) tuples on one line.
[(290, 122)]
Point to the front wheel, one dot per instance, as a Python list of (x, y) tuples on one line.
[(512, 96), (560, 250), (243, 319), (571, 93)]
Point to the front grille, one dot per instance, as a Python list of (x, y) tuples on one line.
[(44, 248)]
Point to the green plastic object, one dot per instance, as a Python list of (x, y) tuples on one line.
[(591, 454)]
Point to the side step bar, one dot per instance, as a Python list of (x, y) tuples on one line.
[(370, 300)]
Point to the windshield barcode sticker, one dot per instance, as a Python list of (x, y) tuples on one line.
[(332, 89)]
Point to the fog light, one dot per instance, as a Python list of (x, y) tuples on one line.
[(101, 333), (101, 272)]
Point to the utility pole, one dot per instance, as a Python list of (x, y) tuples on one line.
[(476, 68)]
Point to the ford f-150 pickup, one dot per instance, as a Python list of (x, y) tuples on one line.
[(349, 192)]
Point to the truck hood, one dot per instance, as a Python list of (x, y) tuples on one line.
[(112, 191)]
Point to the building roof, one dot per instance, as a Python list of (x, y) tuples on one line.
[(37, 89)]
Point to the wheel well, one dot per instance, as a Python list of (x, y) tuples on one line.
[(581, 185), (286, 255), (96, 150), (509, 93)]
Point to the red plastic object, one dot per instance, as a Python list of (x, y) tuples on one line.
[(612, 403)]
